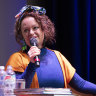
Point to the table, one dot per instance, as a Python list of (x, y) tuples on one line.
[(43, 92)]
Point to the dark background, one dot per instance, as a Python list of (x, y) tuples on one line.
[(75, 22)]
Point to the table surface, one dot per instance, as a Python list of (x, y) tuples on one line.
[(43, 92)]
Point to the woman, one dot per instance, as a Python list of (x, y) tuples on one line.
[(33, 26)]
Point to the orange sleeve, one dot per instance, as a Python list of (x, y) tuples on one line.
[(67, 68), (18, 62)]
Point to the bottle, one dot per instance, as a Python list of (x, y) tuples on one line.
[(2, 77), (10, 81)]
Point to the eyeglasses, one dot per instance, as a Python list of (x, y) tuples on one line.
[(30, 8)]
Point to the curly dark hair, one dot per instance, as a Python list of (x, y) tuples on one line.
[(46, 25)]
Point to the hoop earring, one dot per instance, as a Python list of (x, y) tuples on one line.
[(24, 46)]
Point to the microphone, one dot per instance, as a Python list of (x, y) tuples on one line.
[(33, 42)]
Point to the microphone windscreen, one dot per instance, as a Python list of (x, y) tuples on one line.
[(33, 41)]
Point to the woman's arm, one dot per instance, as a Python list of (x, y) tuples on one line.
[(28, 74), (82, 85)]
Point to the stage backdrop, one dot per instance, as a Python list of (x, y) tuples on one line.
[(75, 22), (8, 45)]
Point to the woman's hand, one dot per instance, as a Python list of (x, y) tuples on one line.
[(33, 51)]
